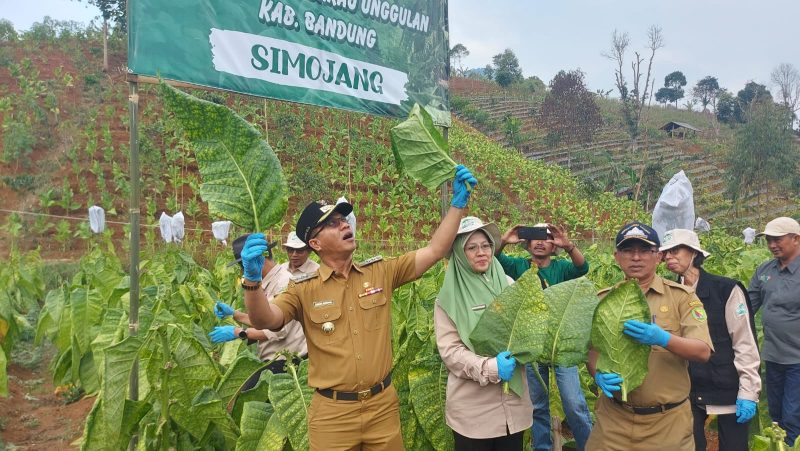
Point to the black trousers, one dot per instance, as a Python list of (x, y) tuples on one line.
[(732, 435), (505, 443)]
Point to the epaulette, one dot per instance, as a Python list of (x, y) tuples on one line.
[(304, 277), (372, 260), (674, 284)]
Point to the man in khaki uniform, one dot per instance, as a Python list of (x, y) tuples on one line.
[(345, 312), (657, 415)]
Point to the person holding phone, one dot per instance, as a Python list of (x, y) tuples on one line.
[(543, 241)]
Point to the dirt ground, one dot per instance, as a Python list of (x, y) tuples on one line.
[(33, 417)]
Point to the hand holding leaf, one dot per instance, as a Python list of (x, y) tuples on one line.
[(620, 353)]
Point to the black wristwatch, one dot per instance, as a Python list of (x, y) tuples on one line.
[(243, 334)]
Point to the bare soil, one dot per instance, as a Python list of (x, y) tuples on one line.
[(33, 417)]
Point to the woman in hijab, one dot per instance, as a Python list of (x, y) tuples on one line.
[(728, 385), (481, 415)]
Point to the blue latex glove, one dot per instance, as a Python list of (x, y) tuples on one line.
[(608, 382), (221, 334), (745, 410), (253, 256), (460, 191), (505, 365), (222, 310), (646, 333)]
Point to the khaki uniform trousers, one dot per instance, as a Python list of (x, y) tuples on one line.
[(618, 429), (372, 424)]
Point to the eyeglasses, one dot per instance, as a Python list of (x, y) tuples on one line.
[(292, 250), (673, 250), (474, 248), (330, 223), (631, 251)]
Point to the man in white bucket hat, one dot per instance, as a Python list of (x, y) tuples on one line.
[(775, 286), (728, 385)]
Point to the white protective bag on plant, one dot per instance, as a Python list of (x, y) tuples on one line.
[(165, 224), (177, 227), (97, 219), (749, 235), (675, 207), (221, 229), (351, 218), (702, 225)]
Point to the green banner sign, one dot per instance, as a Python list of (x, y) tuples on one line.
[(373, 56)]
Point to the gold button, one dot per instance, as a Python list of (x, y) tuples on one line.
[(358, 356), (351, 309), (326, 316), (355, 332), (373, 301)]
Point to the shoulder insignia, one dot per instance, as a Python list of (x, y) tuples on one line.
[(695, 303), (699, 314), (372, 260), (304, 277)]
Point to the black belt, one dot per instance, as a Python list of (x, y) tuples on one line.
[(357, 395), (648, 410)]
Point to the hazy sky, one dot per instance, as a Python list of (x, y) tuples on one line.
[(734, 40)]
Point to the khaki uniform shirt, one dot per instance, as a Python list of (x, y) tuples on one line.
[(476, 406), (290, 337), (677, 310), (356, 353)]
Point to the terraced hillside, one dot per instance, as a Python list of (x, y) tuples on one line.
[(73, 122), (608, 161)]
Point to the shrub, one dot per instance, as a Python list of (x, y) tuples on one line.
[(20, 183), (7, 31), (18, 141)]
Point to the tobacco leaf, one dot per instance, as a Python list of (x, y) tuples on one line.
[(515, 321), (620, 353), (570, 306), (420, 150), (242, 177)]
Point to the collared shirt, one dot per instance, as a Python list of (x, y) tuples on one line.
[(778, 291), (674, 307), (745, 351), (290, 336), (347, 322), (559, 270), (476, 406)]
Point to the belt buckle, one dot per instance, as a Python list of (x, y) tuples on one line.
[(364, 394)]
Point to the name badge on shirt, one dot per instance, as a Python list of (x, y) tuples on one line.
[(321, 304)]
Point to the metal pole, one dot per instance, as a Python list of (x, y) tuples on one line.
[(133, 316), (445, 188)]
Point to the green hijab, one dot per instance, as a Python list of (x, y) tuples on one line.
[(464, 291)]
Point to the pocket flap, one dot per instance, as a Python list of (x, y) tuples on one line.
[(372, 301), (320, 315)]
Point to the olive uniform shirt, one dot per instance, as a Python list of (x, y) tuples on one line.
[(677, 310), (357, 353)]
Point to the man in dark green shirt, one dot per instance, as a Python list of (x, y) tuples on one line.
[(551, 272)]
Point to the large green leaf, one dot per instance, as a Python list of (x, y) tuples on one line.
[(515, 321), (258, 393), (192, 368), (620, 353), (290, 394), (206, 410), (421, 151), (238, 372), (118, 361), (242, 178), (571, 305), (261, 428), (427, 379)]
